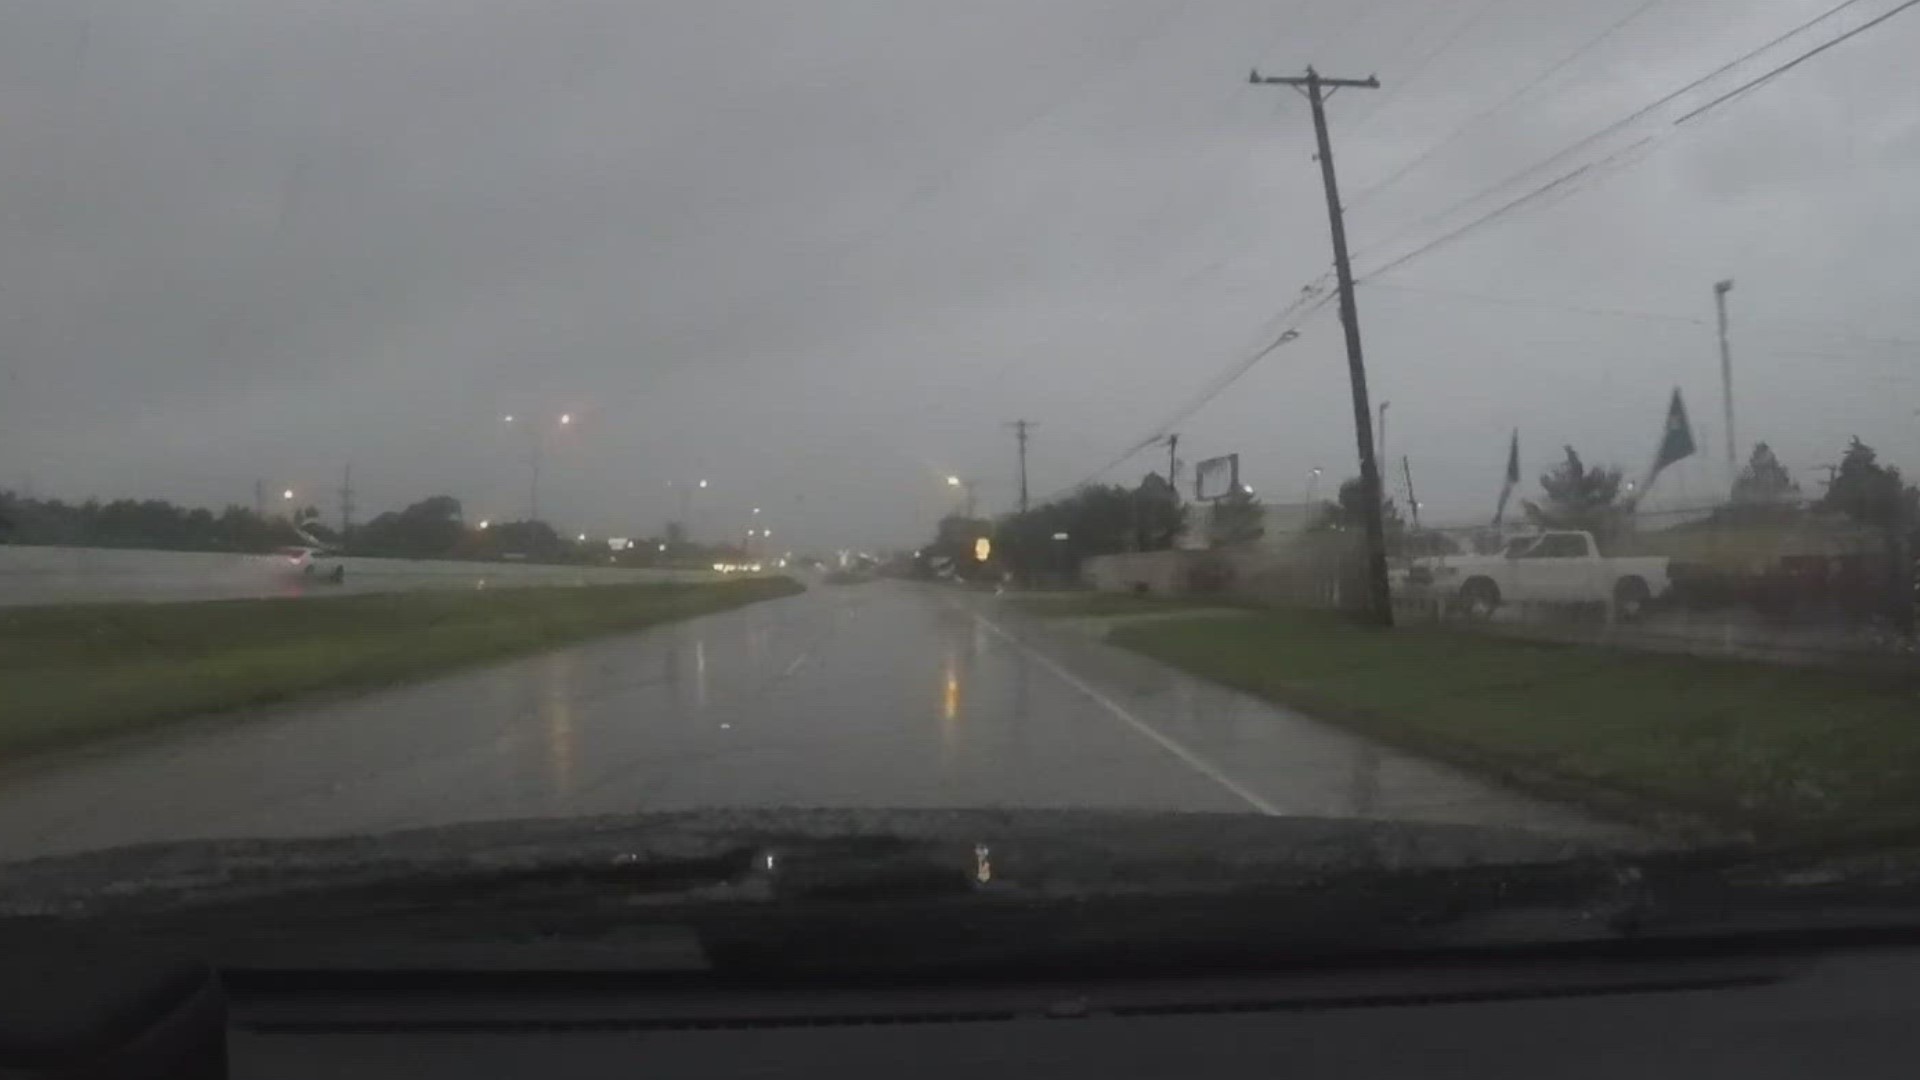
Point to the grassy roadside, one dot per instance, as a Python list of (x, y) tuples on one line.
[(1790, 753), (1102, 604), (76, 672)]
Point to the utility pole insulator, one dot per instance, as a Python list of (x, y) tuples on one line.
[(1316, 88)]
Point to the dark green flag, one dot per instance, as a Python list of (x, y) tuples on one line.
[(1677, 441), (1513, 477)]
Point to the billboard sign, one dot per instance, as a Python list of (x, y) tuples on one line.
[(1216, 478)]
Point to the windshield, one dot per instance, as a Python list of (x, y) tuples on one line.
[(427, 416)]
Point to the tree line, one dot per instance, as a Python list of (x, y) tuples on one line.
[(140, 523), (1861, 489), (434, 527), (1106, 519)]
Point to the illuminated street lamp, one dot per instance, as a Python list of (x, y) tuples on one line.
[(962, 482), (485, 524), (534, 441), (581, 538), (687, 488)]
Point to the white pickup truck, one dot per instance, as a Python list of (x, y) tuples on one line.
[(1557, 567)]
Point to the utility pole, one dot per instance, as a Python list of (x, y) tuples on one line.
[(1173, 464), (1020, 428), (1720, 291), (346, 502), (1317, 89)]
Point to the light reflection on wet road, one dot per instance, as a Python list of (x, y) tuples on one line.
[(880, 695)]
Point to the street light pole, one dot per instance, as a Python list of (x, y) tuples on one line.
[(967, 486), (533, 477), (535, 432), (686, 504), (1720, 291), (1381, 453)]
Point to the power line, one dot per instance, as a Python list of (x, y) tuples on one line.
[(1506, 208), (1313, 297), (1594, 167), (1794, 63), (1294, 315), (1403, 82), (1473, 121), (1616, 126), (1300, 310), (1548, 305), (1667, 316)]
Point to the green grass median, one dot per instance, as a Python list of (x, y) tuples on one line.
[(1789, 753), (1102, 604), (82, 671)]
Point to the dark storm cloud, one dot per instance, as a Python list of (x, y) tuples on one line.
[(819, 252)]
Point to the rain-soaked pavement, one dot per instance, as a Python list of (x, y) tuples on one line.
[(881, 695)]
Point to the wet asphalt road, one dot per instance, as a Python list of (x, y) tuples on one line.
[(879, 695)]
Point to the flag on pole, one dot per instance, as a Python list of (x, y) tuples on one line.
[(1513, 477), (1676, 439)]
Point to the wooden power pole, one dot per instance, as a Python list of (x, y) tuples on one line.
[(1317, 90)]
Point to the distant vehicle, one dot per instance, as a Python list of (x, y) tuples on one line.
[(1558, 567), (315, 562)]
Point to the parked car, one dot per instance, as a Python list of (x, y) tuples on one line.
[(315, 562), (1556, 567)]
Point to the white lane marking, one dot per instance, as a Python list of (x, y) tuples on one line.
[(798, 661), (1187, 757)]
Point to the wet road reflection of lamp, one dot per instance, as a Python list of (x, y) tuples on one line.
[(557, 711), (700, 672), (950, 704)]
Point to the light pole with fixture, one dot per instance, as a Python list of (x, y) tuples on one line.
[(534, 441), (968, 486), (686, 489)]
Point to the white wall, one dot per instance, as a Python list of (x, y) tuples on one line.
[(58, 575)]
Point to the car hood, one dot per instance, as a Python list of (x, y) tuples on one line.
[(1049, 853)]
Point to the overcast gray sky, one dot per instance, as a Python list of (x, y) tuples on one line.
[(818, 253)]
